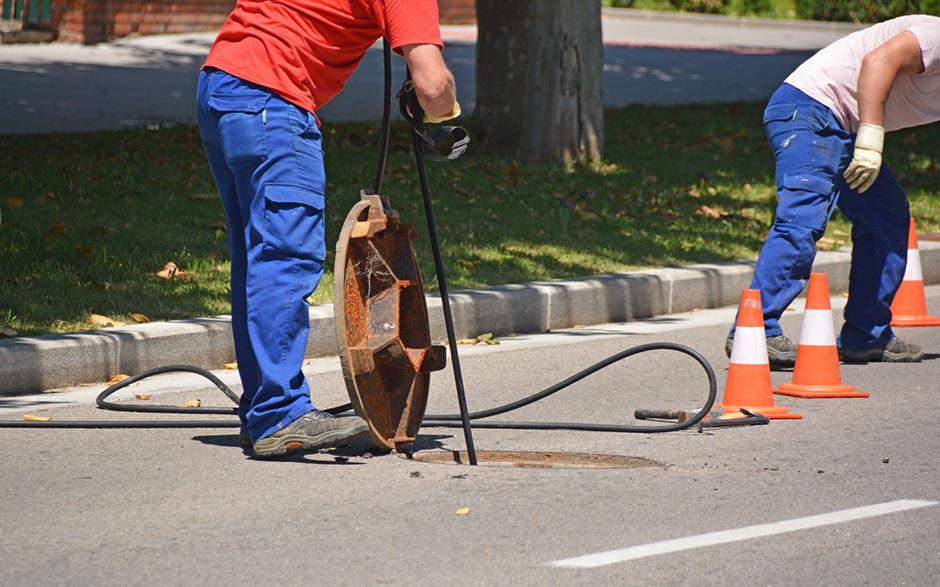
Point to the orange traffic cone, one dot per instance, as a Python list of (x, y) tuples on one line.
[(817, 360), (910, 305), (749, 372)]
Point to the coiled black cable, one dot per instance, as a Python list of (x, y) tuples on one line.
[(430, 421)]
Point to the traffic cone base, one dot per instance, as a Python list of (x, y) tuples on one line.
[(818, 375), (820, 391), (927, 320), (769, 412)]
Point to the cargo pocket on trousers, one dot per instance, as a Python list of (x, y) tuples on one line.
[(805, 200), (293, 222)]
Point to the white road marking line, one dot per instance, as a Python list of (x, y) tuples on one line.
[(610, 557)]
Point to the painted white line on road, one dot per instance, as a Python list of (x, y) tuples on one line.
[(610, 557)]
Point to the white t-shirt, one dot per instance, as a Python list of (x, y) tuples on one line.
[(831, 75)]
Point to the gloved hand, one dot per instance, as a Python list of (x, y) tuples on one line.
[(454, 113), (866, 161)]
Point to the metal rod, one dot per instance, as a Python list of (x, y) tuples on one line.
[(445, 300), (386, 122)]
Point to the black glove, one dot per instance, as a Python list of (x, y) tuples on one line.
[(440, 143)]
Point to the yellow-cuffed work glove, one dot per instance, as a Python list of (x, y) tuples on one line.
[(866, 161), (454, 113)]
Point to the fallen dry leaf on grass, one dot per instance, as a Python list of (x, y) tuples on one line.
[(14, 202), (486, 338), (117, 378), (103, 321), (709, 212), (56, 229), (231, 366), (32, 418), (140, 318), (203, 198), (8, 332), (84, 251), (142, 396), (172, 271), (462, 511), (193, 403)]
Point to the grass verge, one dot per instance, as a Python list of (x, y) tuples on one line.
[(89, 219)]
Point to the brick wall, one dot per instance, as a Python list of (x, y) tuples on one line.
[(92, 21), (458, 11)]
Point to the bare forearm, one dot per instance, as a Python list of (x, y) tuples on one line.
[(901, 55), (434, 83), (437, 92), (875, 81)]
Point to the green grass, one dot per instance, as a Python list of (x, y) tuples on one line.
[(87, 219), (762, 8)]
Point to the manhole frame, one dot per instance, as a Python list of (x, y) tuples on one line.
[(516, 459)]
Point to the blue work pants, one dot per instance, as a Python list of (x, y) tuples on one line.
[(267, 160), (812, 150)]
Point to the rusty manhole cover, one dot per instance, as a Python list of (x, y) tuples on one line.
[(535, 459)]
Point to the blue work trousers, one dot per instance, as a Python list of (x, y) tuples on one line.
[(267, 160), (812, 150)]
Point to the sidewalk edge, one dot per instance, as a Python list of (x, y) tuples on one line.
[(35, 364)]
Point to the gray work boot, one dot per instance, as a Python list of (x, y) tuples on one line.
[(896, 351), (781, 352), (313, 431)]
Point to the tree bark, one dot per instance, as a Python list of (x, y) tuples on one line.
[(538, 78)]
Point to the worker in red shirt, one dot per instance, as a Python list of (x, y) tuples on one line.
[(274, 63)]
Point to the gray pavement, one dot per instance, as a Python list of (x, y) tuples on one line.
[(176, 506), (650, 58)]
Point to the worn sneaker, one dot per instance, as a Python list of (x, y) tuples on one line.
[(896, 351), (313, 431), (244, 439), (781, 352)]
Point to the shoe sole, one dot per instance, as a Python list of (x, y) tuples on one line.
[(294, 443), (881, 356), (777, 359)]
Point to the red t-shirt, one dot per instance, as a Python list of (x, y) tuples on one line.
[(305, 50)]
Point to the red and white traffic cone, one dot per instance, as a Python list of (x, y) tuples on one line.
[(909, 307), (816, 373), (749, 384)]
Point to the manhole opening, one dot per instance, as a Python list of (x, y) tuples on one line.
[(535, 459)]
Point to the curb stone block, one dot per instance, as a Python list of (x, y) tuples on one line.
[(35, 364)]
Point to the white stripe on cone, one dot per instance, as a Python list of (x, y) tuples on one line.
[(817, 328), (750, 346), (913, 271)]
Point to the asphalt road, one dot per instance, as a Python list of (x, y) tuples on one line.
[(188, 506), (152, 80)]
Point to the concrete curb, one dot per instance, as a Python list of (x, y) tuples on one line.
[(34, 364)]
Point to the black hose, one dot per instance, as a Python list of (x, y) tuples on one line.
[(430, 421), (454, 420)]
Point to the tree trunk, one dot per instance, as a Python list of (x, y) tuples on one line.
[(539, 68)]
